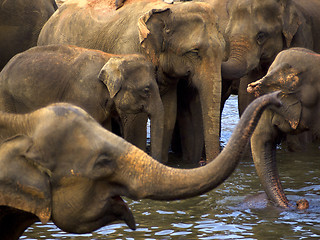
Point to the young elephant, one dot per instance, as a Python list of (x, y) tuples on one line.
[(296, 73), (57, 163), (96, 81)]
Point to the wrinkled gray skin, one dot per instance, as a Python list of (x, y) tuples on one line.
[(257, 31), (102, 84), (20, 25), (59, 164), (296, 73), (183, 47)]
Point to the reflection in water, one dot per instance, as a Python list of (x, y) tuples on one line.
[(223, 212)]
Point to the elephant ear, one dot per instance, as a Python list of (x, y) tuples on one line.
[(291, 109), (291, 20), (112, 76), (24, 184), (151, 32)]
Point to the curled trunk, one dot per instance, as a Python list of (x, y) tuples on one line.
[(147, 178)]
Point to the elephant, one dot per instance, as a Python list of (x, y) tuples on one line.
[(257, 31), (20, 25), (57, 163), (105, 85), (296, 74), (186, 47)]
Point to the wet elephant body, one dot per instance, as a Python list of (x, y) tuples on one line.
[(182, 47), (295, 72), (20, 25), (59, 164), (105, 85)]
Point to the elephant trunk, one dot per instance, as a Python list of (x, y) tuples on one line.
[(145, 177), (237, 65), (156, 115), (209, 86), (263, 148), (233, 69)]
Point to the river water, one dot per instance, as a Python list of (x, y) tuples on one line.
[(223, 213)]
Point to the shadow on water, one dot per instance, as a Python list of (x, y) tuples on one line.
[(223, 213)]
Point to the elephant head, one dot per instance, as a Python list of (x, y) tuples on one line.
[(131, 83), (295, 73), (187, 47), (64, 166), (259, 30)]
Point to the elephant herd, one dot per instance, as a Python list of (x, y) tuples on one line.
[(79, 82)]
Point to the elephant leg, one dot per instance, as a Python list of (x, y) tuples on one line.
[(299, 142), (228, 88), (191, 131), (245, 98), (135, 129), (107, 124), (169, 100)]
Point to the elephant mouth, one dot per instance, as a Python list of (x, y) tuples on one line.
[(123, 212)]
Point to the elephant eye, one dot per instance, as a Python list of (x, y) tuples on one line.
[(146, 91), (103, 161), (193, 53), (261, 37)]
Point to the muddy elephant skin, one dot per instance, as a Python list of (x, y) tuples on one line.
[(102, 84), (59, 164), (295, 72), (186, 47), (20, 25)]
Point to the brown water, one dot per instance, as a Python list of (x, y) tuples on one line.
[(222, 213)]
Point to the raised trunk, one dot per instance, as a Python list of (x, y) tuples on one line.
[(146, 178), (263, 146)]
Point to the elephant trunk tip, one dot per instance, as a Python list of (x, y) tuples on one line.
[(302, 204), (255, 88)]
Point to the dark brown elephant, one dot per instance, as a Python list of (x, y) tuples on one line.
[(186, 47), (102, 84), (20, 25), (296, 73), (258, 30), (57, 163)]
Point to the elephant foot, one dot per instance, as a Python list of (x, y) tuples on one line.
[(302, 204)]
